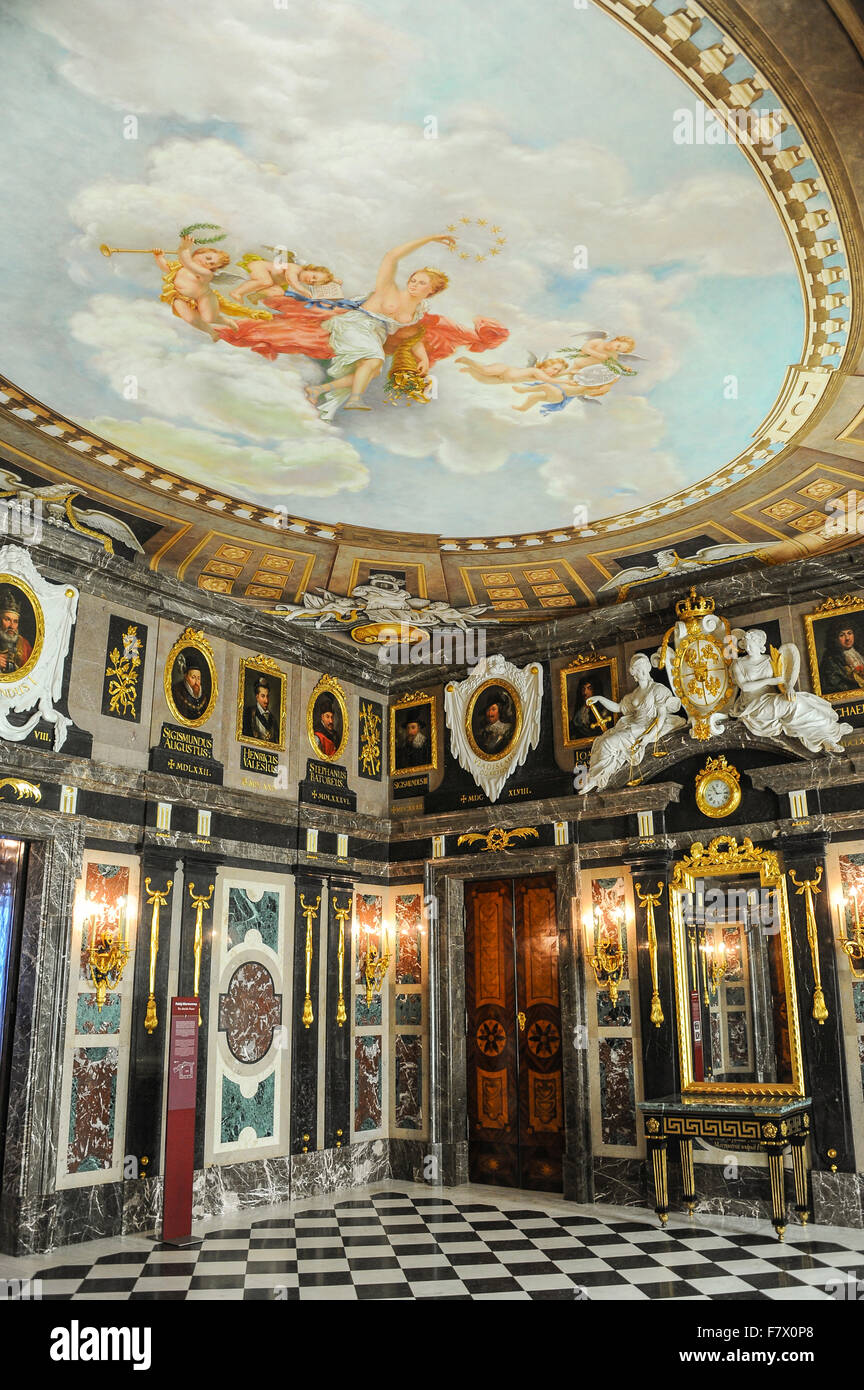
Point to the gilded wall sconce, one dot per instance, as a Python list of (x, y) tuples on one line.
[(714, 966), (199, 903), (809, 887), (155, 900), (607, 959), (853, 945), (342, 913), (107, 946), (373, 965), (309, 910), (649, 901)]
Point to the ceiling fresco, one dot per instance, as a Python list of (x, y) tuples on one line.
[(476, 276)]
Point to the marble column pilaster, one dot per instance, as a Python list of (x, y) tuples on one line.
[(660, 1070), (822, 1044), (311, 893), (147, 1049), (337, 1034), (199, 881)]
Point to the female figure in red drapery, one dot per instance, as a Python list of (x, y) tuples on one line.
[(355, 336)]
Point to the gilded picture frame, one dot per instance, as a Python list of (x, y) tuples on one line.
[(191, 652), (574, 678), (828, 645), (723, 856), (479, 728), (252, 671), (23, 627), (328, 698), (423, 710)]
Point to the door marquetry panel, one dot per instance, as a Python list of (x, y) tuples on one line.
[(515, 1090)]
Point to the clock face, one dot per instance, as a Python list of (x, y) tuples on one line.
[(717, 793)]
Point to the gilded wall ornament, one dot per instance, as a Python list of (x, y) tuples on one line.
[(494, 720), (36, 622)]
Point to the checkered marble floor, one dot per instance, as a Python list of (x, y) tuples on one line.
[(404, 1240)]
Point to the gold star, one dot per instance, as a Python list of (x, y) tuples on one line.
[(496, 229), (501, 240), (451, 227), (466, 220), (463, 256), (495, 251), (482, 221), (479, 258)]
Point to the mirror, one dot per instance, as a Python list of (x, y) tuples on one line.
[(737, 1009)]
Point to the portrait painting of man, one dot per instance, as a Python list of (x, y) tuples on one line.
[(190, 683), (493, 720), (841, 661), (835, 646), (327, 725), (17, 630), (582, 719), (413, 736), (262, 704)]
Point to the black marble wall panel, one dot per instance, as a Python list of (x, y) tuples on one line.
[(144, 1097), (304, 1054), (337, 1091), (822, 1043), (660, 1071), (199, 878)]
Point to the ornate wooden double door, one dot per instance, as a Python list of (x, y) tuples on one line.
[(515, 1091)]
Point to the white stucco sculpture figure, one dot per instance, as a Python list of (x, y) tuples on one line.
[(768, 703), (646, 714)]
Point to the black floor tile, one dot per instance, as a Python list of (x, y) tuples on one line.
[(271, 1267), (361, 1262), (325, 1278), (154, 1295), (559, 1294), (217, 1281), (394, 1290), (492, 1284), (108, 1285)]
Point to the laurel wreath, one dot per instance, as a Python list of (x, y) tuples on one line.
[(203, 227)]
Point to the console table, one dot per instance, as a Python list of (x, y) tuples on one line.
[(761, 1126)]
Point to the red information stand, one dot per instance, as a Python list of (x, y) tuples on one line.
[(180, 1122)]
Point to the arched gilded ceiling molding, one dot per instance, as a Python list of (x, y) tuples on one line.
[(769, 497)]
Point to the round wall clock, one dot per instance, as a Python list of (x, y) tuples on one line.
[(718, 788)]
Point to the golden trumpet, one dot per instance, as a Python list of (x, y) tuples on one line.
[(132, 250)]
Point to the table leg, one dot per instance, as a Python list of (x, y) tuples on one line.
[(661, 1185), (778, 1191), (685, 1148), (799, 1169)]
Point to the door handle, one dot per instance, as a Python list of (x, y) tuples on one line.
[(520, 1019)]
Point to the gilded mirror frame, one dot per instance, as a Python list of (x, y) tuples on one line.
[(724, 855)]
